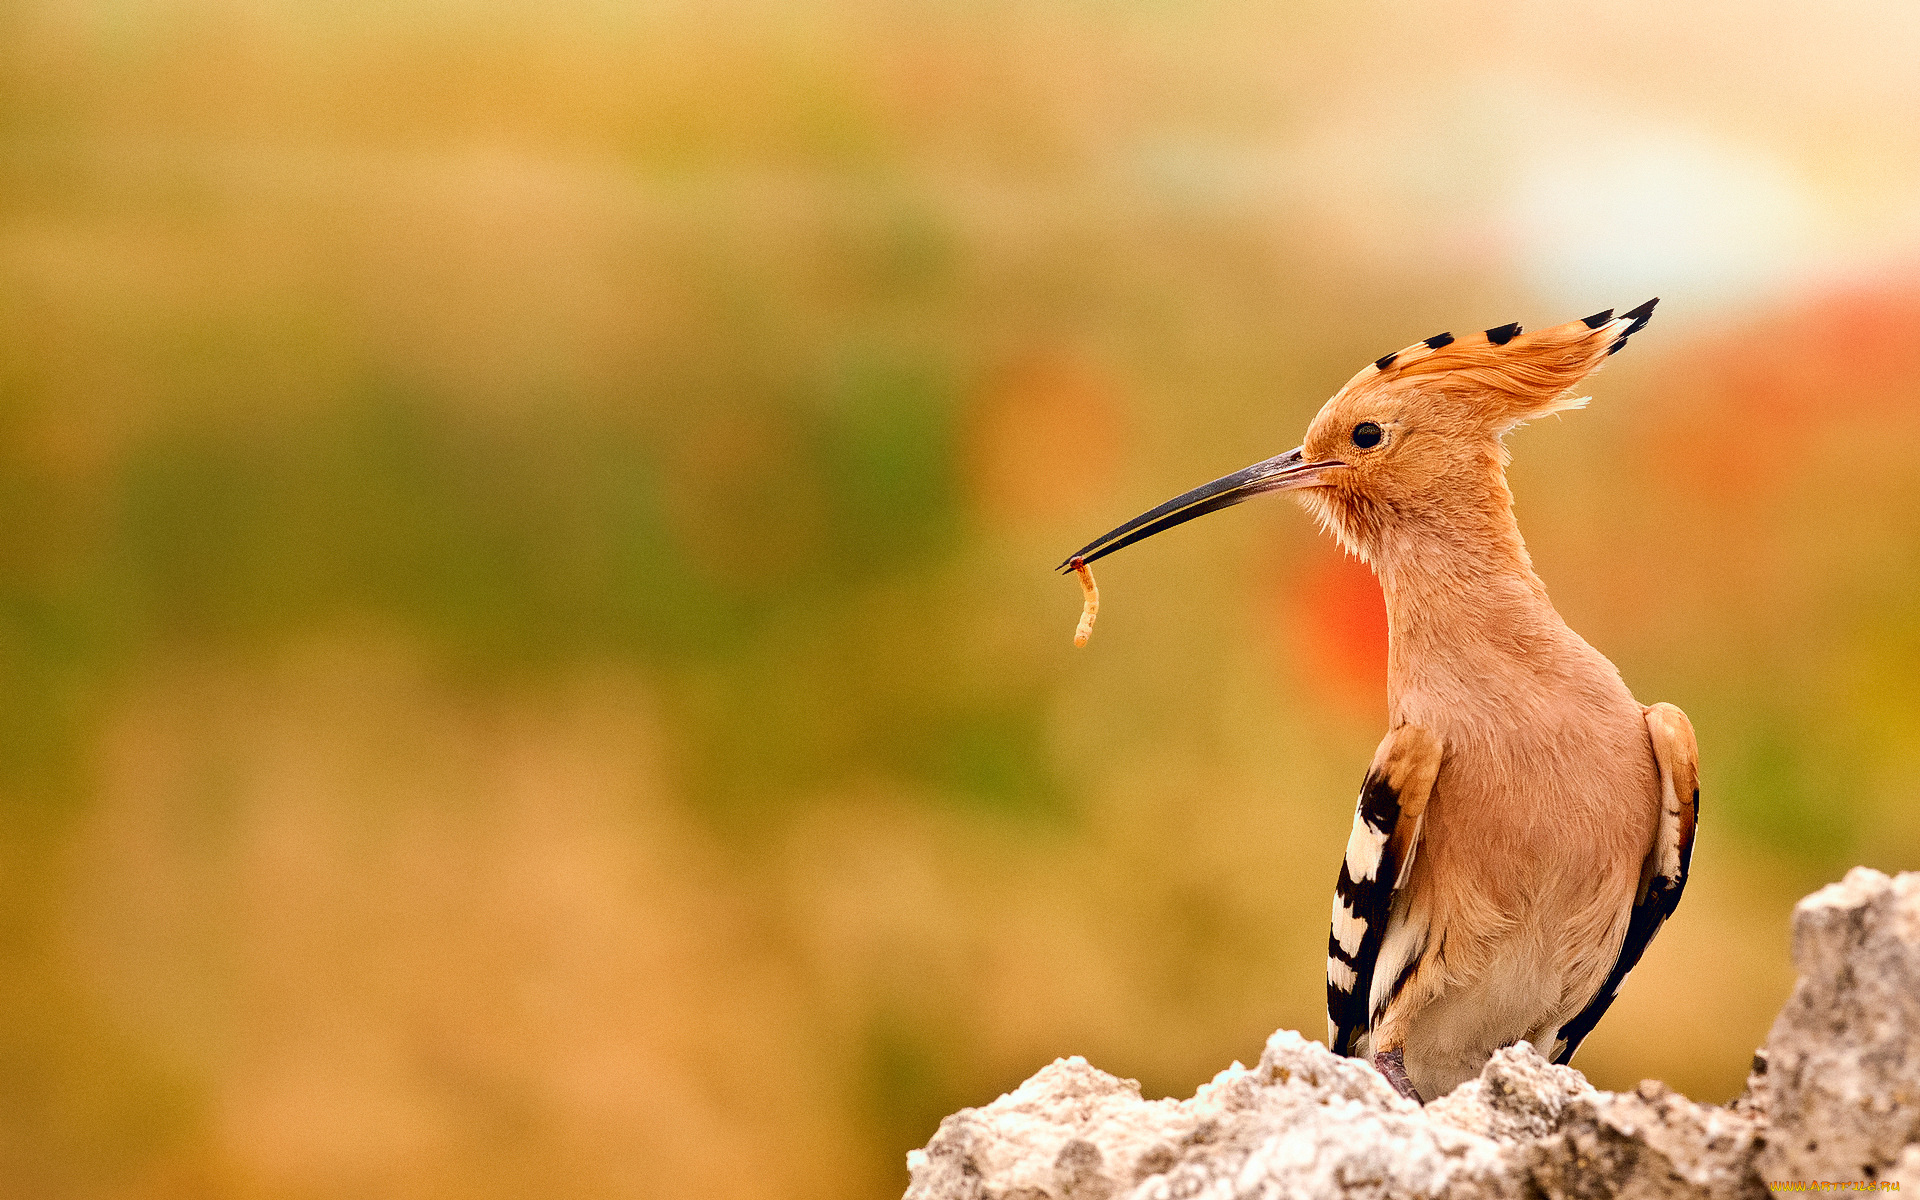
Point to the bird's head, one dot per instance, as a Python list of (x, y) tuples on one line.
[(1413, 440)]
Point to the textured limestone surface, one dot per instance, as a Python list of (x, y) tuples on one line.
[(1842, 1084), (1835, 1097)]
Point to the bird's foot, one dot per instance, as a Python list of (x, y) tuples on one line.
[(1393, 1064)]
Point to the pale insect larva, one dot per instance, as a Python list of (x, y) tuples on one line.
[(1091, 608)]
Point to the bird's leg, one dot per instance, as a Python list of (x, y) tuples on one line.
[(1393, 1064)]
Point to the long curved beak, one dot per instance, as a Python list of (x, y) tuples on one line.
[(1277, 474)]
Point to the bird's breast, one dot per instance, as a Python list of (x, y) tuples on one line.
[(1533, 825)]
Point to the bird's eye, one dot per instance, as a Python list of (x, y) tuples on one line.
[(1366, 435)]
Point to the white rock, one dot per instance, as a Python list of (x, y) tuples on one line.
[(1839, 1100), (1842, 1082)]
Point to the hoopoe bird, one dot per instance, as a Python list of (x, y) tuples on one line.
[(1526, 826)]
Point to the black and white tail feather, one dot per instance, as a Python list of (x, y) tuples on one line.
[(1380, 853)]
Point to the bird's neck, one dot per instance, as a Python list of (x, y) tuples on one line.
[(1463, 603)]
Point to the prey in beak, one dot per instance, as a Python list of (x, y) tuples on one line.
[(1278, 474)]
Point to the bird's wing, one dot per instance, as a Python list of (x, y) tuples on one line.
[(1664, 875), (1386, 834)]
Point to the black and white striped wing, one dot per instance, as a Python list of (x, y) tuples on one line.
[(1664, 876), (1380, 852)]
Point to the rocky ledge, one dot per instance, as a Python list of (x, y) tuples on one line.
[(1835, 1098)]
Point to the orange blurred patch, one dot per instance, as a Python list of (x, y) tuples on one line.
[(1042, 437), (1335, 606), (1745, 406)]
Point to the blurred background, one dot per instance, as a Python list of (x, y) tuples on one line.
[(529, 661)]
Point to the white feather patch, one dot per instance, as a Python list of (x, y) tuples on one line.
[(1668, 862), (1348, 929), (1405, 938), (1363, 849), (1341, 975)]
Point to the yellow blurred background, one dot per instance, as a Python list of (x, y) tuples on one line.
[(529, 661)]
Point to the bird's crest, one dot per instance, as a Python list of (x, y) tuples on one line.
[(1505, 375)]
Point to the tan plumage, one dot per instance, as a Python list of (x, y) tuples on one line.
[(1527, 824)]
